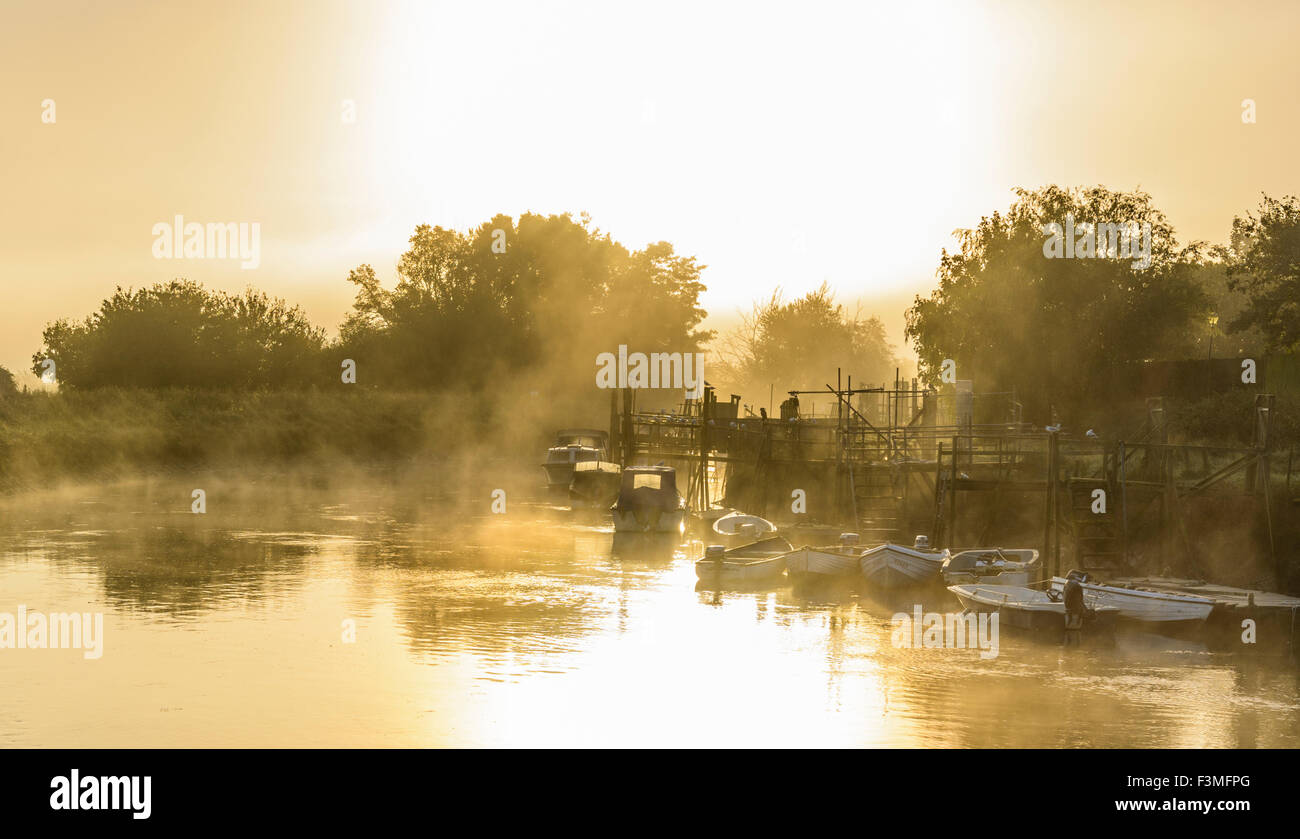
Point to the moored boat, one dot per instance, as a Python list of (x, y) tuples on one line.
[(760, 561), (1026, 608), (648, 501), (595, 484), (840, 561), (892, 566), (1153, 607), (997, 566), (573, 446), (734, 524)]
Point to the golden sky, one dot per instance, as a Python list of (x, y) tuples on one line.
[(783, 143)]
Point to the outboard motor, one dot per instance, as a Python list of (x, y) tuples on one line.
[(848, 540), (922, 542), (715, 552)]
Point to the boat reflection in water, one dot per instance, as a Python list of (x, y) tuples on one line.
[(651, 547)]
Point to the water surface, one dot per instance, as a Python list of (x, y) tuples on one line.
[(528, 629)]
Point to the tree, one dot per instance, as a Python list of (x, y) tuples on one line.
[(799, 344), (544, 295), (179, 334), (1263, 259), (1055, 330)]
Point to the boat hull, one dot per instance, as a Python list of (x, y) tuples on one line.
[(1027, 609), (821, 564), (893, 567), (1148, 607), (740, 570), (1006, 578), (649, 521)]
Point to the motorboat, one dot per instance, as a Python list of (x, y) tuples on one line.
[(595, 484), (756, 562), (808, 564), (1027, 608), (890, 566), (648, 501), (573, 446), (998, 566), (1155, 607)]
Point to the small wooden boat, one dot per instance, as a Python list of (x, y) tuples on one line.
[(734, 524), (1027, 608), (1155, 607), (648, 501), (760, 561), (997, 566), (838, 562), (891, 566)]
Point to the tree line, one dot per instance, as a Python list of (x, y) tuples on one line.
[(1058, 331), (544, 295)]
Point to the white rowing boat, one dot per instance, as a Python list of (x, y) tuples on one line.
[(1025, 608), (996, 566), (734, 524), (891, 566), (1160, 607), (757, 562), (824, 564)]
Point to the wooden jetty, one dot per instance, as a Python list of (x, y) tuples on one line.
[(894, 461)]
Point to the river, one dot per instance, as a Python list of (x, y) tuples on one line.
[(305, 612)]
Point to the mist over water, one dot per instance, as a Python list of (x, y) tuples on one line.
[(529, 628)]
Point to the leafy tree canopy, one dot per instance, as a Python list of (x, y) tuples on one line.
[(506, 296), (795, 345), (1263, 264), (179, 334), (1054, 329)]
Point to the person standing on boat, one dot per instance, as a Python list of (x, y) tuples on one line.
[(1074, 609)]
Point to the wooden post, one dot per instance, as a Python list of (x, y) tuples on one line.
[(1047, 505), (952, 498), (615, 445), (939, 538), (1056, 506), (1123, 504), (704, 450)]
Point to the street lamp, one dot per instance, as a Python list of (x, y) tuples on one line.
[(1214, 321)]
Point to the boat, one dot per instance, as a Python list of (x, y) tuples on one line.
[(734, 524), (1027, 608), (998, 566), (890, 566), (573, 446), (756, 562), (648, 501), (595, 484), (840, 561), (1156, 607)]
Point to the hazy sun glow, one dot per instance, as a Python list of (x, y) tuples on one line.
[(844, 142)]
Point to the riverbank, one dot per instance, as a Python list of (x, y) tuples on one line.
[(111, 434)]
